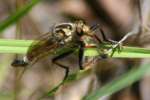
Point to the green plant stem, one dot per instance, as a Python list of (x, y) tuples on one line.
[(21, 47), (15, 43), (127, 52), (12, 49)]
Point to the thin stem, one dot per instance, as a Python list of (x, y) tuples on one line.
[(21, 47)]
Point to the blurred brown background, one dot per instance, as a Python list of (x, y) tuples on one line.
[(116, 18)]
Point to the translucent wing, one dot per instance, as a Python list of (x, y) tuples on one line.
[(43, 45), (39, 48)]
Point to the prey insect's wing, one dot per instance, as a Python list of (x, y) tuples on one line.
[(43, 45)]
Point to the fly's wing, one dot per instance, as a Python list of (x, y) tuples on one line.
[(45, 44), (40, 47)]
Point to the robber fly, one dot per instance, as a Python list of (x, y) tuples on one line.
[(75, 35)]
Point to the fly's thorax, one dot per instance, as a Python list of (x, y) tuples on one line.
[(64, 32)]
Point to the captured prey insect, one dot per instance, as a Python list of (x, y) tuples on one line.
[(75, 35)]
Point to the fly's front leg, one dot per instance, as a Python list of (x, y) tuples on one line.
[(115, 44), (94, 27), (102, 55), (105, 39), (55, 61), (81, 54)]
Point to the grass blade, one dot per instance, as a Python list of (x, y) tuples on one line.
[(120, 83), (12, 49), (17, 15), (21, 47), (127, 52), (15, 43)]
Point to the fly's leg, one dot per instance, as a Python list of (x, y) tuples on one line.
[(116, 45), (55, 61), (107, 39), (104, 55), (94, 27), (81, 52)]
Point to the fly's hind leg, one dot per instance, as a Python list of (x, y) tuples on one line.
[(55, 61)]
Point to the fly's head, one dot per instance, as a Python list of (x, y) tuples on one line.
[(82, 28)]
